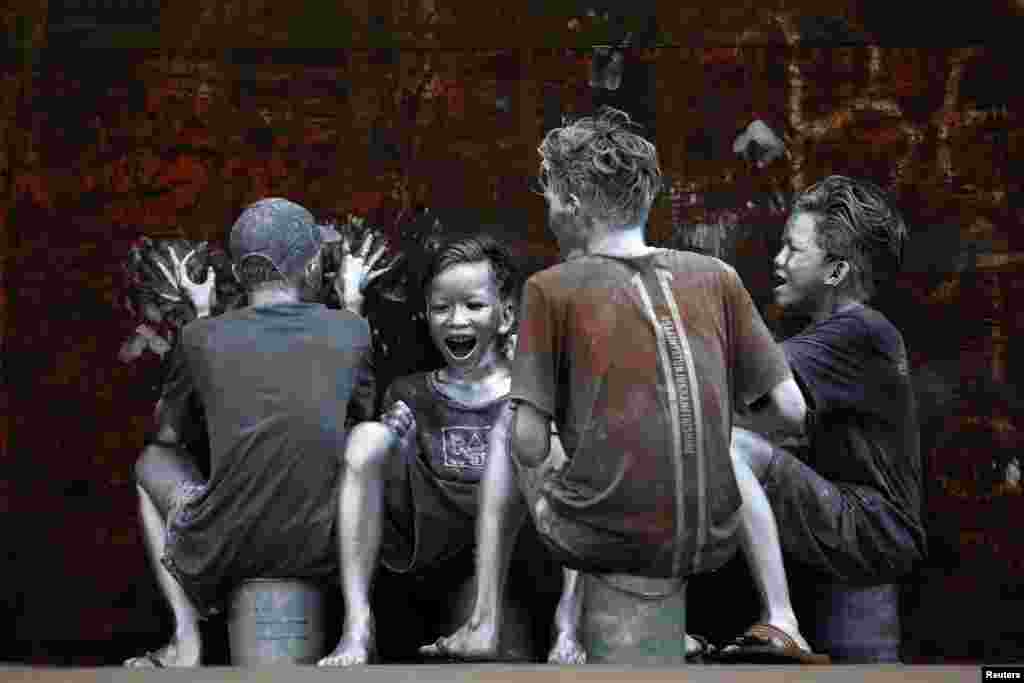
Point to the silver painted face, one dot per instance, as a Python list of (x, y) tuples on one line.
[(801, 266), (466, 315)]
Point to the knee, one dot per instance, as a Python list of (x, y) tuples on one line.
[(147, 465), (157, 477), (368, 447), (751, 449)]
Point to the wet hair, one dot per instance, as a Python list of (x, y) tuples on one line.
[(256, 272), (856, 222), (605, 163), (475, 249)]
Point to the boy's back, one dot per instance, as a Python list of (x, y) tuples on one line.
[(275, 383), (639, 361)]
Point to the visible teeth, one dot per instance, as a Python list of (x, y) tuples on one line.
[(461, 347)]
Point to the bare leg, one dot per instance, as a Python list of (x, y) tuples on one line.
[(161, 470), (568, 648), (502, 511), (360, 506), (759, 536)]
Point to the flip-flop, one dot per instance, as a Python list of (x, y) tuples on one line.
[(766, 644), (149, 660), (705, 651)]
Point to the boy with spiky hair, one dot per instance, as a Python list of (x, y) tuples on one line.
[(409, 490), (637, 357)]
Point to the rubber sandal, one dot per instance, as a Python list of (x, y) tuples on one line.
[(766, 644), (149, 660), (704, 653)]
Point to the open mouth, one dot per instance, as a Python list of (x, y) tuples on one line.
[(461, 348)]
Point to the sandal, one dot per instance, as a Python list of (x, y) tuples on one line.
[(148, 660), (704, 652), (766, 644)]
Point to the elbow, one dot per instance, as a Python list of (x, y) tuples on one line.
[(790, 406), (797, 417)]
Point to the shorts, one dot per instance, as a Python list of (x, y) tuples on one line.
[(848, 532), (426, 520), (589, 549), (204, 595)]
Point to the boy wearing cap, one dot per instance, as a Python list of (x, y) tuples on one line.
[(276, 380)]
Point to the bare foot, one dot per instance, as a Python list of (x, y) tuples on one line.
[(567, 650), (787, 625), (181, 652), (475, 640), (356, 647), (792, 630)]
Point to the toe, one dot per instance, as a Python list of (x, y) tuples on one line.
[(431, 650)]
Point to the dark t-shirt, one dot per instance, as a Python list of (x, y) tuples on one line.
[(432, 483), (639, 362), (853, 370), (275, 384)]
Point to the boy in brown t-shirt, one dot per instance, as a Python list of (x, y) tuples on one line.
[(637, 356)]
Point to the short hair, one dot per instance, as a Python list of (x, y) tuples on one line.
[(603, 161), (473, 250), (255, 272), (856, 222)]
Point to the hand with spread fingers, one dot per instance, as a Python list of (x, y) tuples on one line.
[(201, 294), (356, 270)]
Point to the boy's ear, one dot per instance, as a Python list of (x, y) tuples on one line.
[(840, 269), (508, 318), (574, 204)]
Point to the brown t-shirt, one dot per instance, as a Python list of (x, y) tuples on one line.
[(639, 362)]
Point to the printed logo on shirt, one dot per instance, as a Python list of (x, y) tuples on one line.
[(465, 447)]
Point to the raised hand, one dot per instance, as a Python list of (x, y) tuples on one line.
[(356, 269), (202, 295)]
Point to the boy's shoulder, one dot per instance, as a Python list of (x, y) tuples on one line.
[(874, 324), (861, 327), (586, 267), (201, 328), (691, 261), (248, 320)]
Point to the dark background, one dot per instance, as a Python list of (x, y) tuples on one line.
[(105, 135)]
